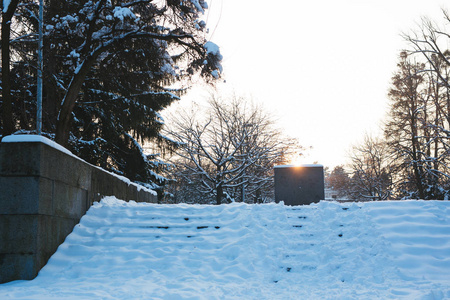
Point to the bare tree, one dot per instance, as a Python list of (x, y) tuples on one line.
[(371, 171), (430, 41), (229, 154), (429, 44)]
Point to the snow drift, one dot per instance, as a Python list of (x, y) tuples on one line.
[(378, 250)]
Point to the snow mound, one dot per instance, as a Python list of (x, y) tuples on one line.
[(128, 250)]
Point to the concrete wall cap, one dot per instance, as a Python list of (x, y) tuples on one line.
[(32, 138), (302, 166)]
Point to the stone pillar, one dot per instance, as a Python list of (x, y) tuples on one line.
[(299, 185)]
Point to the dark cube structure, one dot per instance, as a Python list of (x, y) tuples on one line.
[(299, 185)]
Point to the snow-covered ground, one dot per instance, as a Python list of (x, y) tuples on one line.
[(379, 250)]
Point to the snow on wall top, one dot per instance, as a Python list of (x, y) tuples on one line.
[(31, 138), (303, 166)]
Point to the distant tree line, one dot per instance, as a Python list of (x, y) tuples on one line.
[(368, 176), (412, 159), (110, 67)]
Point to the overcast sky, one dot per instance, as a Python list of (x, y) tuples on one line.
[(322, 67)]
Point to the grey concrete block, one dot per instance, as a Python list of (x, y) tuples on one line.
[(20, 159), (57, 165), (18, 195), (132, 193), (141, 196), (17, 266), (18, 234), (69, 201), (144, 196), (101, 185), (52, 233), (28, 242), (25, 195)]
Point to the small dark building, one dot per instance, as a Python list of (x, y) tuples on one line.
[(299, 185)]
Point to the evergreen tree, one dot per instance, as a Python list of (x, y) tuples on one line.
[(339, 181), (110, 68), (419, 157)]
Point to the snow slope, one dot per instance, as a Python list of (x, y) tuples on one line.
[(378, 250)]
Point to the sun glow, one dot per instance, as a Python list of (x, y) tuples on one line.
[(303, 159), (297, 161)]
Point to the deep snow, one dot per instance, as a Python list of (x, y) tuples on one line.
[(377, 250)]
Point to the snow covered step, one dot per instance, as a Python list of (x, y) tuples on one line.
[(318, 240), (418, 233), (321, 251)]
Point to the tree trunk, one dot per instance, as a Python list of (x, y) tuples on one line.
[(7, 113), (219, 195), (53, 95), (64, 121)]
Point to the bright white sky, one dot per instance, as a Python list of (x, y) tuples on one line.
[(322, 67)]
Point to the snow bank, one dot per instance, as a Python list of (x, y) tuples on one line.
[(378, 250)]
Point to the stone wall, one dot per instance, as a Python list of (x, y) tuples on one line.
[(44, 192)]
